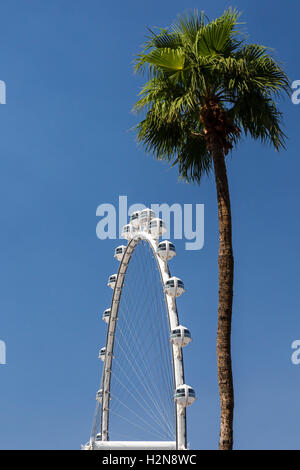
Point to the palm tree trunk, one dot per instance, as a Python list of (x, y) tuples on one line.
[(225, 301)]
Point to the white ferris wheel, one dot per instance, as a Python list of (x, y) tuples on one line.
[(142, 399)]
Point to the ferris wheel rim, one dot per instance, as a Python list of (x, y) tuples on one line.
[(171, 306)]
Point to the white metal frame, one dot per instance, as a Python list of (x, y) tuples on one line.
[(134, 445), (178, 369)]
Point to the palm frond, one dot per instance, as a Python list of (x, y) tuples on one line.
[(259, 117), (188, 25), (193, 159), (219, 36), (165, 40)]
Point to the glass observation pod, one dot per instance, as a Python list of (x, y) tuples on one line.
[(180, 336), (99, 395), (112, 280), (157, 227), (146, 215), (119, 252), (184, 395), (166, 250), (106, 315), (135, 219), (98, 437), (102, 354), (128, 231), (174, 287)]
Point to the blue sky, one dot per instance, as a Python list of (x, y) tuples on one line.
[(65, 148)]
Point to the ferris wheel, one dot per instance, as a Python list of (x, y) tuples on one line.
[(142, 399)]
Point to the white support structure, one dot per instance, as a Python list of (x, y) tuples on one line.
[(180, 443), (134, 445)]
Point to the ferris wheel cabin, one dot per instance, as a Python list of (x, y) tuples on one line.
[(166, 250), (184, 395), (157, 227), (128, 232), (106, 315), (145, 216), (180, 336), (174, 287), (102, 354), (119, 252), (112, 280), (135, 219), (99, 395)]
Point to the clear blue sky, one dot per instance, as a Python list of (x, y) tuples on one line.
[(65, 148)]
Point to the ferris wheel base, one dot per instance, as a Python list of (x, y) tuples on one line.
[(134, 445)]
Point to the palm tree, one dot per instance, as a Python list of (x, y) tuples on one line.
[(206, 88)]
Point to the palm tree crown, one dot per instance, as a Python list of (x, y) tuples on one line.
[(203, 77)]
